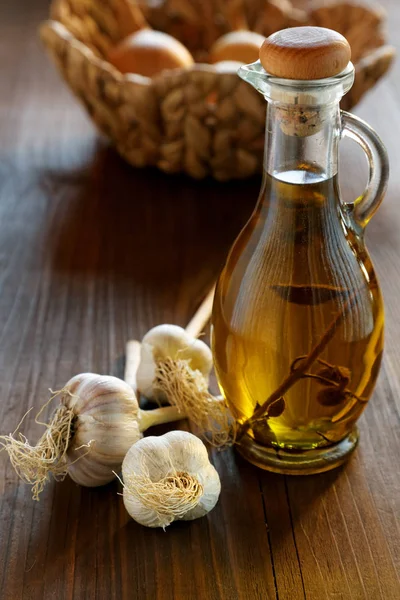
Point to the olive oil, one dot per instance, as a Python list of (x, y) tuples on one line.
[(298, 278)]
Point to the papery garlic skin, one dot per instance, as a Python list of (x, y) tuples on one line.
[(157, 458), (169, 341), (106, 424)]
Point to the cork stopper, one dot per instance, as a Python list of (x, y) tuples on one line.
[(305, 53)]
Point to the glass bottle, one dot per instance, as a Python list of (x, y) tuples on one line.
[(297, 326)]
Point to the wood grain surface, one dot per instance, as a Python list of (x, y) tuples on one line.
[(92, 253)]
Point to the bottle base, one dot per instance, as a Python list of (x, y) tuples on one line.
[(307, 462)]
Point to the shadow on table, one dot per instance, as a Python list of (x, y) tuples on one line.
[(295, 501), (144, 225)]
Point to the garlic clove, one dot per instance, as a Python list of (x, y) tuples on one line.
[(169, 342), (95, 395), (98, 437), (154, 452), (90, 469), (145, 516), (210, 481), (188, 454), (168, 478), (193, 458)]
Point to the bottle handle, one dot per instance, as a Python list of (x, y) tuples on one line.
[(365, 206)]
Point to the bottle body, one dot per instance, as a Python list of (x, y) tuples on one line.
[(298, 284)]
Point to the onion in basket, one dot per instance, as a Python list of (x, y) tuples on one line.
[(243, 46), (148, 52)]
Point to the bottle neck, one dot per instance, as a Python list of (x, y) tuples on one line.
[(301, 144)]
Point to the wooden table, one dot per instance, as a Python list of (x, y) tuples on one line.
[(92, 253)]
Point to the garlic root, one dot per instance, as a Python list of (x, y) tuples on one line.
[(175, 368), (187, 389), (33, 463)]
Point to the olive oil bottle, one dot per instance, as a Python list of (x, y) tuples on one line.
[(298, 315)]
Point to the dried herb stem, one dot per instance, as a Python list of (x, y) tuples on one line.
[(320, 379), (334, 384), (297, 372)]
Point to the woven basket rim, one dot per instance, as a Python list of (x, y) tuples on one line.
[(61, 30)]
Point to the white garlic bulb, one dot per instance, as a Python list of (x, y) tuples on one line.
[(173, 343), (168, 478), (97, 421), (105, 426)]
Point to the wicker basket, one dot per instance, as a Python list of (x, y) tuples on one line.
[(199, 121)]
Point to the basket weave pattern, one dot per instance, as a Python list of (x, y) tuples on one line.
[(199, 121)]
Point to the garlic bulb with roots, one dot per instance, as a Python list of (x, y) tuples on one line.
[(174, 367), (174, 343), (97, 421), (169, 478)]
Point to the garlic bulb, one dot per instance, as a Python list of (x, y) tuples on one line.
[(174, 367), (96, 423), (106, 422), (168, 478), (169, 342)]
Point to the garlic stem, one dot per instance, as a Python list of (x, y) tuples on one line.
[(202, 315), (132, 361), (148, 418)]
